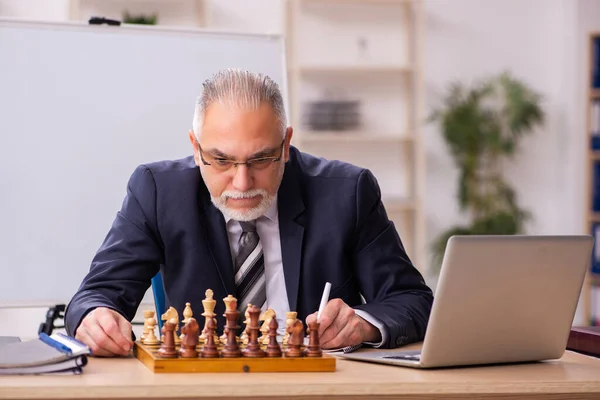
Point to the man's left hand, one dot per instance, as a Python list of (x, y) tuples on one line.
[(341, 327)]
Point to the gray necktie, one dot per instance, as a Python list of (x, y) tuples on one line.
[(250, 280)]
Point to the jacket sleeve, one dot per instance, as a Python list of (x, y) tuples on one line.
[(394, 290), (130, 255)]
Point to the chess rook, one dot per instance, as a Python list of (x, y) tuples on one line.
[(231, 348)]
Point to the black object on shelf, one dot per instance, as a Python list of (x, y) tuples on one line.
[(333, 115)]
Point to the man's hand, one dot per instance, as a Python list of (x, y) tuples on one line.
[(341, 327), (106, 332)]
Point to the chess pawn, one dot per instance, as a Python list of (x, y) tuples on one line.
[(190, 339), (150, 339), (147, 315), (210, 348), (314, 346), (253, 348), (296, 339), (273, 349), (290, 318), (167, 349)]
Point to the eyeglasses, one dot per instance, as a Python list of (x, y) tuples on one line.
[(223, 164)]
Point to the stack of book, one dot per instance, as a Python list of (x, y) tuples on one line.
[(57, 354)]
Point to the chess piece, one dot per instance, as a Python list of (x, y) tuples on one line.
[(253, 348), (266, 317), (210, 348), (147, 315), (171, 314), (273, 349), (290, 318), (314, 346), (150, 339), (167, 349), (187, 314), (231, 348), (296, 339), (190, 339), (244, 335), (209, 304)]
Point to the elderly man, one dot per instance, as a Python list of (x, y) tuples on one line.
[(252, 216)]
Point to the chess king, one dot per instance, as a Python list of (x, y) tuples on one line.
[(248, 214)]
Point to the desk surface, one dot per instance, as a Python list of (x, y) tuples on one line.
[(574, 376)]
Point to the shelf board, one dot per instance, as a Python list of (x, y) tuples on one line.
[(351, 136), (406, 2), (594, 93), (354, 69)]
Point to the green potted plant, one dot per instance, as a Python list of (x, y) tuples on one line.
[(482, 125), (140, 19)]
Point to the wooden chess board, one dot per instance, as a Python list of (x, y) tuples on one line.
[(148, 355)]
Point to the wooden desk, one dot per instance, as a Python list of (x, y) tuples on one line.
[(575, 376)]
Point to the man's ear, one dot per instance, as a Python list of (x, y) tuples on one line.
[(194, 143), (288, 137)]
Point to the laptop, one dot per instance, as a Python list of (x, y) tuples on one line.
[(499, 299)]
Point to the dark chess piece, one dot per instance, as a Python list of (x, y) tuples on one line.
[(231, 348), (210, 348), (167, 349), (314, 346), (190, 339), (296, 339), (253, 348), (273, 349)]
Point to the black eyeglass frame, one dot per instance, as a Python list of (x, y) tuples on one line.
[(247, 163)]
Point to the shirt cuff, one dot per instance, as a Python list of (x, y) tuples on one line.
[(377, 324)]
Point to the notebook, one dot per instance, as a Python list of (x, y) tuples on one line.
[(45, 354)]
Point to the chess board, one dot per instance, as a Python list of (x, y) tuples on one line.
[(149, 357)]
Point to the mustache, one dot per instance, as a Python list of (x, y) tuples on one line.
[(232, 194)]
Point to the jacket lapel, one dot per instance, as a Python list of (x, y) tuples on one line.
[(291, 232), (215, 233)]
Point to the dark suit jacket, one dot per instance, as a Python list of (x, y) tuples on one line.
[(333, 228)]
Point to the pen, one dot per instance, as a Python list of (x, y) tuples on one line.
[(324, 299), (54, 343)]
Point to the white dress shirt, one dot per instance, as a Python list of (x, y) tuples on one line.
[(267, 228)]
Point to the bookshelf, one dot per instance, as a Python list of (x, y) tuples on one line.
[(591, 290), (365, 56), (191, 13)]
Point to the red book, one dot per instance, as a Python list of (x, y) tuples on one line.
[(585, 339)]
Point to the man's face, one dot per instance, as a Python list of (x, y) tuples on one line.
[(232, 133)]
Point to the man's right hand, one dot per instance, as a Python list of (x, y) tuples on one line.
[(106, 332)]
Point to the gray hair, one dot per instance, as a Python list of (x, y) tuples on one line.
[(240, 88)]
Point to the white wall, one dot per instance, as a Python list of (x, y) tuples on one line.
[(540, 41)]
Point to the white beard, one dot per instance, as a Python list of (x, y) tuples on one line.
[(245, 215)]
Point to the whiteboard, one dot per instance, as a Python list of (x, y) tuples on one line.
[(80, 107)]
